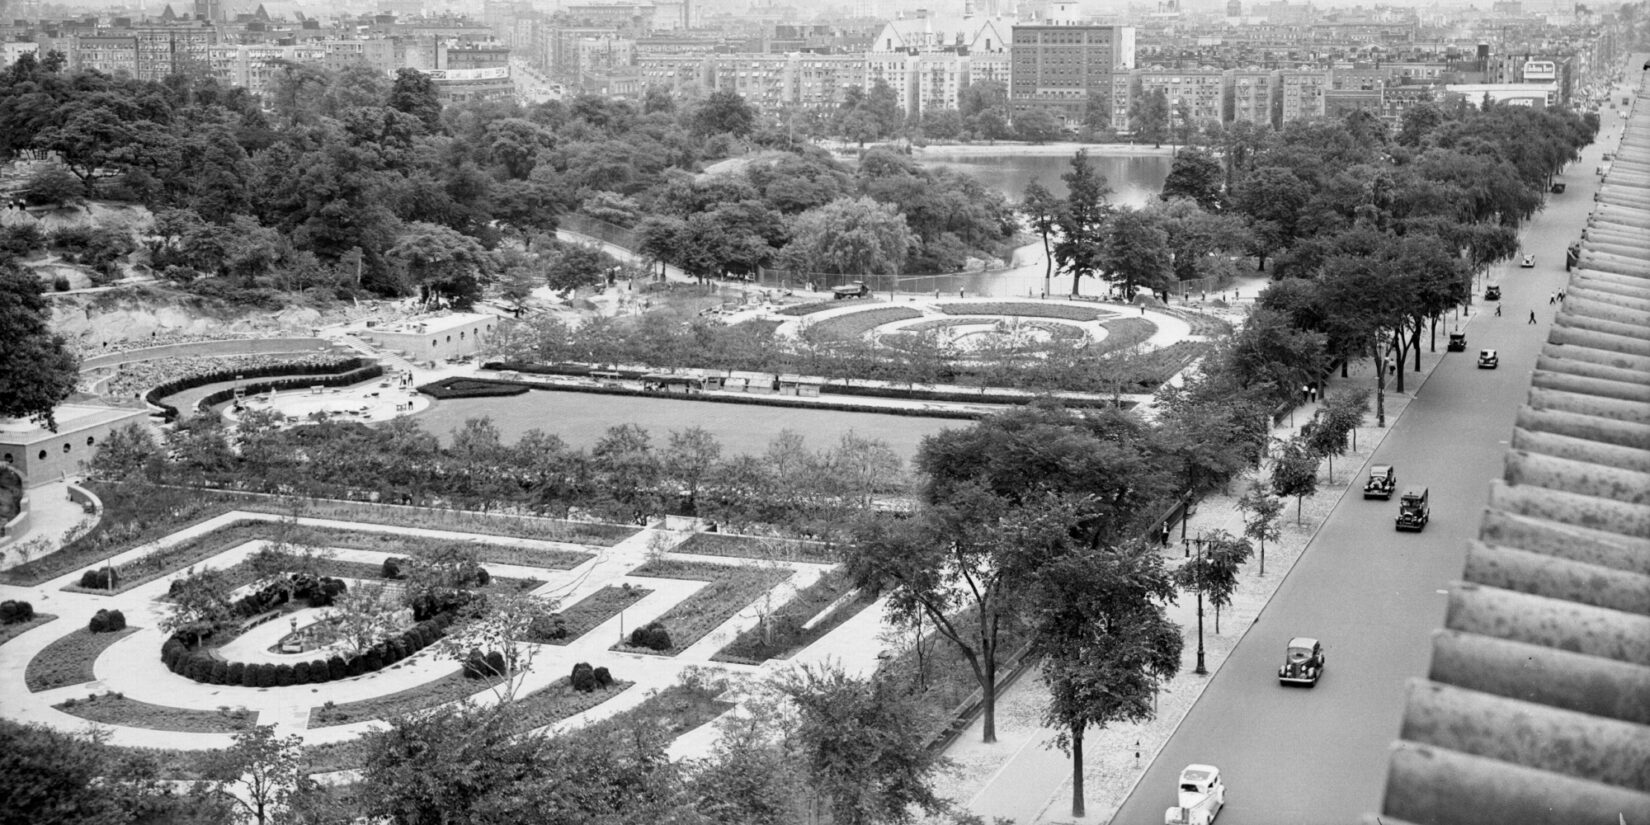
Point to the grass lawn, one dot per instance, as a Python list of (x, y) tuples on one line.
[(784, 633), (115, 709), (591, 533), (399, 544), (68, 661), (755, 547), (450, 688), (12, 631), (731, 589), (591, 611)]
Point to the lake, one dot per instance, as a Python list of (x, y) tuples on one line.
[(1135, 179)]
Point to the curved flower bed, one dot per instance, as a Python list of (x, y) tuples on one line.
[(202, 666), (855, 324), (1026, 309)]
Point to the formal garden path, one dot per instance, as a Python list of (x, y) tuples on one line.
[(131, 665)]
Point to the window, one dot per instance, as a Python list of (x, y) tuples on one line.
[(65, 447), (42, 455), (90, 441)]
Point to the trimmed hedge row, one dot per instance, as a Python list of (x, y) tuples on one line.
[(342, 379), (155, 395), (1026, 309), (201, 666), (783, 400), (456, 387)]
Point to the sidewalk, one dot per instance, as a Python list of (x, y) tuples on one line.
[(51, 516), (1024, 778)]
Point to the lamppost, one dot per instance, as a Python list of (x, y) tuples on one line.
[(1201, 670)]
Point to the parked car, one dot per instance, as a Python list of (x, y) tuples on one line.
[(1457, 342), (1488, 360), (1528, 261), (1558, 187), (1383, 479), (1302, 662), (1492, 293), (1414, 510)]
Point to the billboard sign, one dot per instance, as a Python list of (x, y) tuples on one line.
[(1540, 71)]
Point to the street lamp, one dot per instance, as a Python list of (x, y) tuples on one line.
[(1201, 670)]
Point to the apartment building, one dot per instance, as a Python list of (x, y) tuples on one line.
[(114, 55), (1298, 95), (252, 66), (1201, 92), (1059, 67), (1248, 96), (928, 59)]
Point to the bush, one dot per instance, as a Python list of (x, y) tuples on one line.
[(392, 568), (236, 674), (220, 672), (356, 665), (200, 667), (604, 679), (300, 673), (552, 626), (284, 676), (336, 669), (103, 578), (327, 592), (13, 612), (483, 578), (60, 283), (583, 678), (21, 239), (172, 652), (249, 675), (652, 636), (495, 663), (107, 621), (266, 674), (373, 661)]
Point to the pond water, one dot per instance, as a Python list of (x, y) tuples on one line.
[(1135, 179)]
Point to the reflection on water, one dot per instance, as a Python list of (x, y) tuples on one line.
[(1134, 179)]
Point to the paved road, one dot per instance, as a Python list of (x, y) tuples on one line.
[(1294, 755)]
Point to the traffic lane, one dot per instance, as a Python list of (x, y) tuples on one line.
[(1373, 596)]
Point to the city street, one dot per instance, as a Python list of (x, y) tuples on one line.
[(1372, 595)]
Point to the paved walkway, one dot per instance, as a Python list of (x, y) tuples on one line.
[(52, 515)]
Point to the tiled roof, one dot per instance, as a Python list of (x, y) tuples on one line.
[(1536, 709)]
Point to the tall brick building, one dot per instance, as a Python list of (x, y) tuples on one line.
[(1060, 67)]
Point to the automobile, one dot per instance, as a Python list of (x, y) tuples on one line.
[(1199, 797), (1488, 360), (853, 289), (1414, 510), (1528, 261), (1383, 479), (1457, 342), (1558, 187), (1492, 293), (1302, 662)]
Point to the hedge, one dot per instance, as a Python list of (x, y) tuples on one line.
[(790, 402), (202, 666), (169, 388), (1026, 309)]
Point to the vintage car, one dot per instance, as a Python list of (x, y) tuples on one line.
[(1414, 510), (1488, 360), (1528, 261), (1198, 798), (1558, 187), (1383, 480), (853, 289), (1302, 662), (1492, 293), (1457, 342)]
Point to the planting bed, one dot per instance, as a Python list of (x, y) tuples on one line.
[(731, 589), (785, 633), (756, 547), (450, 688), (69, 660), (115, 709), (591, 611), (855, 324), (1026, 309), (12, 631)]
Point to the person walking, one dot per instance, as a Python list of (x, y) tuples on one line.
[(1498, 310), (1532, 316), (1552, 298)]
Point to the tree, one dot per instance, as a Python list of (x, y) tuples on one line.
[(415, 94), (37, 371), (1197, 176), (1083, 221), (200, 603), (269, 773), (1098, 623), (1213, 571), (724, 112), (1149, 116), (54, 778), (53, 184), (1041, 210), (501, 624), (863, 745), (445, 264), (577, 265), (689, 458), (1260, 517), (1036, 125), (849, 237), (364, 616), (751, 774), (1296, 472), (1135, 254)]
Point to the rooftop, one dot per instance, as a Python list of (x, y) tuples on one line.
[(70, 417)]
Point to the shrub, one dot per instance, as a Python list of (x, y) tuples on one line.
[(249, 676), (336, 669), (495, 663), (604, 679), (284, 675), (552, 626), (103, 578), (652, 636), (300, 673), (475, 665), (236, 674), (107, 621), (373, 661), (60, 283), (171, 652), (483, 578), (13, 612), (391, 569), (21, 239), (356, 665), (583, 678), (266, 674), (200, 668), (398, 650)]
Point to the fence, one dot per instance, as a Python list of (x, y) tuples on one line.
[(602, 231)]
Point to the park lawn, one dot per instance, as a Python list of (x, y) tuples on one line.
[(12, 631), (450, 688), (755, 547), (398, 544), (133, 514), (186, 553), (731, 589), (590, 611), (785, 634), (852, 325), (115, 709), (589, 533), (69, 660)]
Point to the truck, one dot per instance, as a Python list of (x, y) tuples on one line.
[(1200, 798), (1414, 510)]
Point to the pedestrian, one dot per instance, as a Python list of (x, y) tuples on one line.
[(1561, 296), (1532, 316), (1142, 309), (1498, 310)]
